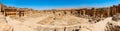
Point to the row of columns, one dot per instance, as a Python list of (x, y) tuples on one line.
[(13, 12), (102, 12), (91, 12)]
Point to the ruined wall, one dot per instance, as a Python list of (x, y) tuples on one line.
[(93, 12)]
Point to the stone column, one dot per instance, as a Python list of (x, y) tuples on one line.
[(118, 9), (94, 13), (80, 12), (4, 12), (108, 12), (84, 12), (0, 7), (114, 10), (111, 11)]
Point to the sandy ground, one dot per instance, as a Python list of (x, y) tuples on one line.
[(35, 24), (52, 23), (4, 26)]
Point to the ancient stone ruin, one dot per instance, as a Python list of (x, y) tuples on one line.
[(93, 12), (82, 19)]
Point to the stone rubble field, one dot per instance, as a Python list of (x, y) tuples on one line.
[(49, 22)]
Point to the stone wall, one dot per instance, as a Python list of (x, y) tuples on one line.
[(93, 12)]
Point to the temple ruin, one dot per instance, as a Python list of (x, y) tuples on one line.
[(74, 19), (94, 12)]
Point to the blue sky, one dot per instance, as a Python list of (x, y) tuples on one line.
[(50, 4)]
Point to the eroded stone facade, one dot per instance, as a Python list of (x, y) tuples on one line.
[(94, 12)]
